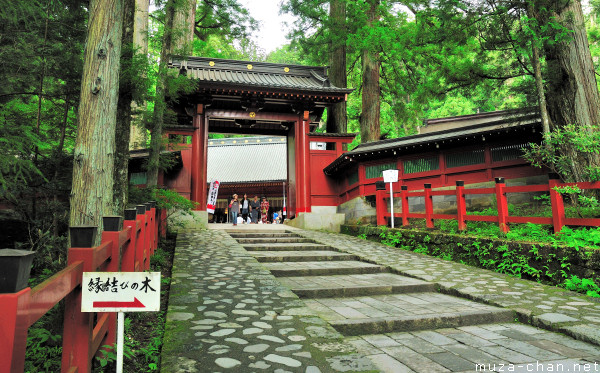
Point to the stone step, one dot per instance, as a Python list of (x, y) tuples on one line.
[(404, 312), (285, 246), (301, 256), (355, 285), (323, 268), (271, 240), (260, 234)]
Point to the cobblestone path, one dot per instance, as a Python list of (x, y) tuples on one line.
[(228, 313)]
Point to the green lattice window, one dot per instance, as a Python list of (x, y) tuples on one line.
[(138, 178), (507, 152), (352, 177), (465, 158), (421, 165), (373, 172)]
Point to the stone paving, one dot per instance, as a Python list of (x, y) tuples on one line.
[(228, 313), (540, 305)]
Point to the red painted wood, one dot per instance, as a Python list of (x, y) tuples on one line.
[(302, 162), (404, 196), (13, 330), (444, 216), (502, 204), (428, 207), (584, 222), (78, 326), (558, 207), (461, 207), (81, 338)]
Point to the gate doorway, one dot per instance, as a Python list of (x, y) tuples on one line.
[(255, 98)]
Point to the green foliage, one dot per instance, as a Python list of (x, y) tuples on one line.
[(505, 255), (583, 285), (565, 149), (44, 351)]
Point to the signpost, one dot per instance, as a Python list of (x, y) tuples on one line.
[(213, 191), (391, 176), (120, 292)]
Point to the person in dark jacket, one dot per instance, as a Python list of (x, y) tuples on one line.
[(254, 209), (234, 207), (245, 206)]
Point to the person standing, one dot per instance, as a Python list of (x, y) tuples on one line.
[(234, 207), (245, 205), (254, 209), (264, 210)]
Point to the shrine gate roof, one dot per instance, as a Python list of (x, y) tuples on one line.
[(215, 72)]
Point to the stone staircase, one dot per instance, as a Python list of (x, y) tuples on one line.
[(359, 298), (403, 324)]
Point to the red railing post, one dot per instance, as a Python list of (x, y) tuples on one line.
[(558, 206), (112, 226), (128, 254), (405, 209), (140, 252), (461, 205), (502, 203), (428, 206), (380, 206), (149, 235), (78, 326), (13, 330)]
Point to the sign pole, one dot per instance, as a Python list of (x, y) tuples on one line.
[(391, 176), (392, 202), (120, 340)]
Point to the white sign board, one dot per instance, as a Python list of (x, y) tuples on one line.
[(390, 176), (213, 191), (120, 292)]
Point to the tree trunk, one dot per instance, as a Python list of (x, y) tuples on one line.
[(138, 135), (369, 118), (124, 120), (573, 95), (572, 90), (93, 165), (183, 27), (337, 118), (159, 101), (539, 82)]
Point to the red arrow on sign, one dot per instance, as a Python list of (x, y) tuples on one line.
[(135, 304)]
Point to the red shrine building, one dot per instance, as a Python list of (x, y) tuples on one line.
[(325, 185)]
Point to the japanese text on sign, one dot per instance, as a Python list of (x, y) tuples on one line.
[(120, 291)]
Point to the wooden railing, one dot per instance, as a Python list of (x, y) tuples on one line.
[(127, 247), (503, 219)]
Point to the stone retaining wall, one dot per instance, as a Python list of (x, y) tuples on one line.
[(535, 261)]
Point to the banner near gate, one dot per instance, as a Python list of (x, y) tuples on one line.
[(120, 292), (212, 197)]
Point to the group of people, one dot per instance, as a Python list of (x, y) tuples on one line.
[(245, 211)]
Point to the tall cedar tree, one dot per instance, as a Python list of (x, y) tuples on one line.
[(337, 116), (177, 39), (124, 111), (371, 105), (93, 164)]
